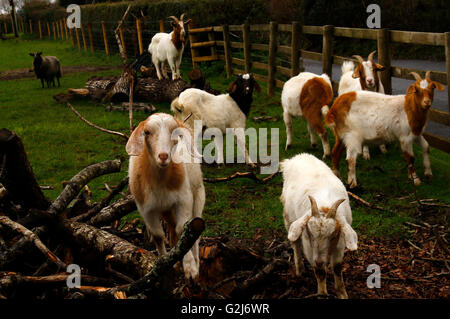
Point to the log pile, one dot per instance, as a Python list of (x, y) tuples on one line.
[(39, 239)]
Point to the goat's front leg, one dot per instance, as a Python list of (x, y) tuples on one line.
[(352, 156), (183, 215), (298, 257), (155, 229), (408, 153), (336, 154), (158, 71), (426, 155), (164, 70), (172, 69), (339, 285), (320, 272), (312, 136), (178, 63), (366, 153), (240, 139)]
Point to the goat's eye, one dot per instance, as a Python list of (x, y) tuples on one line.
[(146, 132)]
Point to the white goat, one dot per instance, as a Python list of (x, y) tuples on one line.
[(163, 186), (318, 218), (219, 111), (305, 95), (359, 117), (169, 47), (363, 78)]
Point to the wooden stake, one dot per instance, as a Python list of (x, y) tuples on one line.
[(327, 50), (66, 29), (78, 39), (227, 49), (40, 29), (447, 62), (49, 33), (384, 58), (105, 39), (91, 38), (122, 40), (273, 44), (31, 26), (247, 47), (139, 34), (54, 30), (161, 26), (72, 37), (295, 48), (83, 36)]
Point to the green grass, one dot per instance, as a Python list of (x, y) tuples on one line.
[(59, 145)]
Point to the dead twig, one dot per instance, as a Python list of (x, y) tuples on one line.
[(250, 175), (94, 125), (366, 203)]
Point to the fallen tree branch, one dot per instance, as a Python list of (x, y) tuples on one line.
[(114, 212), (116, 35), (77, 182), (30, 236), (249, 175), (366, 203), (96, 126)]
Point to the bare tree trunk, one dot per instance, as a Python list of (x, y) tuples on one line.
[(13, 18)]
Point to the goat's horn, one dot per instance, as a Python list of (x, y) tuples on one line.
[(174, 18), (182, 16), (370, 57), (416, 76), (427, 75), (333, 209), (360, 59), (314, 208), (187, 117)]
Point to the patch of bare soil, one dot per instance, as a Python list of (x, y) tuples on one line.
[(28, 73)]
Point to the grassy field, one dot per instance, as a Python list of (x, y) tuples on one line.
[(59, 145)]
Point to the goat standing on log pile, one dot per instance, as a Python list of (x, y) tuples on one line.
[(362, 116), (163, 185), (306, 95), (363, 78), (219, 111), (318, 218), (169, 47), (46, 68)]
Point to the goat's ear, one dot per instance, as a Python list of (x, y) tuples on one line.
[(39, 53), (350, 237), (174, 24), (438, 85), (257, 87), (136, 141), (356, 74), (296, 228), (379, 67), (411, 89), (31, 54), (232, 87), (187, 21)]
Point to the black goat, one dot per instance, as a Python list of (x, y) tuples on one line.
[(46, 68)]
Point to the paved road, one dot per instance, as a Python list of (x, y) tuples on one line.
[(399, 86)]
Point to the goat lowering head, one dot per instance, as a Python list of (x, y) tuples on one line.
[(324, 233), (423, 90), (178, 30), (367, 72), (241, 90), (159, 134)]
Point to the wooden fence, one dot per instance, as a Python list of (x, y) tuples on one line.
[(384, 38)]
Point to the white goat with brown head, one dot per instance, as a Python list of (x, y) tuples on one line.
[(168, 48), (163, 185), (317, 216), (363, 78)]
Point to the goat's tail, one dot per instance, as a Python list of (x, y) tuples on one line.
[(325, 110), (347, 66)]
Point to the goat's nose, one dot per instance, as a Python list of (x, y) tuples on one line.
[(163, 157), (427, 102), (370, 81)]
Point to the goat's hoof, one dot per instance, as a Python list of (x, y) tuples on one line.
[(417, 181), (314, 145), (325, 156), (252, 165), (383, 149), (352, 184), (288, 146), (429, 175), (220, 165), (366, 156)]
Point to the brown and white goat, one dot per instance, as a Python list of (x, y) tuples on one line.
[(163, 186), (360, 117), (306, 95), (168, 48)]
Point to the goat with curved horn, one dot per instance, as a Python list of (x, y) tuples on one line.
[(334, 207), (314, 208), (416, 76), (359, 58), (370, 56)]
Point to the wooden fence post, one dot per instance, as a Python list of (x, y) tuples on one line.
[(447, 63), (58, 32), (122, 40), (5, 26), (384, 58), (161, 26), (54, 30), (273, 45), (247, 47), (72, 37), (192, 40), (139, 34), (295, 48), (61, 26), (31, 26), (227, 49), (83, 36), (40, 29), (66, 29), (48, 29), (105, 39), (327, 50), (91, 38), (78, 39)]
